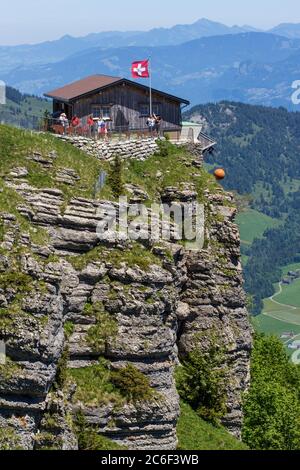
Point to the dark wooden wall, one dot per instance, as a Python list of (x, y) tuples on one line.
[(125, 102)]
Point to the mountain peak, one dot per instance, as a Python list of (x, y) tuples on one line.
[(205, 21), (67, 37)]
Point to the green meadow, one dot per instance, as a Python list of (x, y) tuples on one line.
[(253, 224), (290, 295), (282, 312), (269, 325), (196, 434)]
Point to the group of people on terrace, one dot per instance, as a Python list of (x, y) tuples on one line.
[(98, 127), (93, 126)]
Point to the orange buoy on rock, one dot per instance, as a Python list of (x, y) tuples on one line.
[(220, 174)]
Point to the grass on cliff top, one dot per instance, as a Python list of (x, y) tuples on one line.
[(17, 145), (196, 434), (172, 166)]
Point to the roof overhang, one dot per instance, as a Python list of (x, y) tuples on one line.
[(81, 95), (116, 83)]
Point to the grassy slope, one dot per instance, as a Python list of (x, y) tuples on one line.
[(17, 145), (196, 434), (253, 224)]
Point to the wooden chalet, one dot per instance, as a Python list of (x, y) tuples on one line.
[(124, 103)]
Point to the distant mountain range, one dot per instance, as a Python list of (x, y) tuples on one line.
[(205, 61), (53, 51), (289, 30)]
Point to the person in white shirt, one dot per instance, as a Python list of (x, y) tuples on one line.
[(64, 121), (151, 123), (102, 128)]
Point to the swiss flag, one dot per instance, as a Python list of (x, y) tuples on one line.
[(140, 69)]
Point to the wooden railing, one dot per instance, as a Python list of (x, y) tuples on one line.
[(55, 126), (124, 132)]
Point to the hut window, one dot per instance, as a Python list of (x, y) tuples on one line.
[(157, 109), (101, 111), (145, 108)]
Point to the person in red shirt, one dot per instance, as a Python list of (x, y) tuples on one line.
[(91, 124), (75, 121)]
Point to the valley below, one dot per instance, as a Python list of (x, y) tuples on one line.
[(259, 148)]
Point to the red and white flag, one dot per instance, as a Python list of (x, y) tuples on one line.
[(140, 69)]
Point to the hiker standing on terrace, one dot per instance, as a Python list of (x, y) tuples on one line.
[(151, 124), (63, 120), (90, 124), (75, 122), (102, 128), (157, 125)]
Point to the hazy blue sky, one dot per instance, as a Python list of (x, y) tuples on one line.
[(23, 21)]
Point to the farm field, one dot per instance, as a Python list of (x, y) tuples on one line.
[(281, 313), (269, 325), (290, 295)]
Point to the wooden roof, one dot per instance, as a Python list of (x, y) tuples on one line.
[(94, 84), (82, 87)]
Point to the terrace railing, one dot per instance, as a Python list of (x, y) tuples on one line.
[(124, 132), (55, 126), (206, 141)]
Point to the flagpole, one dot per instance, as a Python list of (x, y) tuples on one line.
[(150, 87)]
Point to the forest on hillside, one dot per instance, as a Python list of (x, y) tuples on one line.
[(23, 110), (260, 149)]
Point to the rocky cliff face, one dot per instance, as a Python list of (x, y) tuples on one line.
[(67, 300), (213, 303)]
